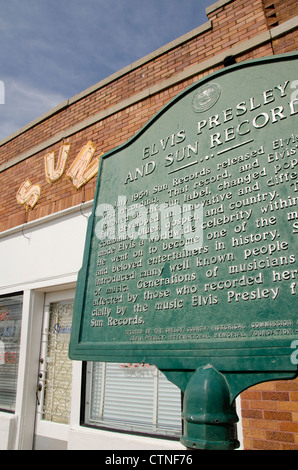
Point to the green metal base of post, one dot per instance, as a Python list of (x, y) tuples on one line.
[(209, 418), (209, 415)]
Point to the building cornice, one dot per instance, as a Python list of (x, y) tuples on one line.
[(124, 71), (187, 73)]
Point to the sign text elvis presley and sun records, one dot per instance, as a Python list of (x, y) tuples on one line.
[(195, 222)]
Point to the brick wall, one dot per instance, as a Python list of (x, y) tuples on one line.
[(120, 106), (233, 23), (270, 416), (279, 11)]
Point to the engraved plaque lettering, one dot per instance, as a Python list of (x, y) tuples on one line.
[(191, 247)]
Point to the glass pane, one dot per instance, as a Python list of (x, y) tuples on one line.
[(10, 332), (169, 405), (129, 394), (133, 397), (57, 390), (97, 383)]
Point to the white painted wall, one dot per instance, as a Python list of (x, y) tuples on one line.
[(39, 257), (41, 252)]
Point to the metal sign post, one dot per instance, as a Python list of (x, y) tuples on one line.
[(190, 255)]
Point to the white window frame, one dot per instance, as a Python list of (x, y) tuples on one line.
[(12, 408), (49, 429)]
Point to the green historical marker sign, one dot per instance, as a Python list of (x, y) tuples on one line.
[(190, 257)]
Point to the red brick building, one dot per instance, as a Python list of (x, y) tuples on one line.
[(36, 191)]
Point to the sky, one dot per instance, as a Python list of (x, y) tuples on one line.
[(50, 50)]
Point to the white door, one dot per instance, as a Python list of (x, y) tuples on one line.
[(53, 393)]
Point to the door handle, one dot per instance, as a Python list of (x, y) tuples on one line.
[(38, 389)]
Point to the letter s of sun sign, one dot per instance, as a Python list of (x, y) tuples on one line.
[(28, 194)]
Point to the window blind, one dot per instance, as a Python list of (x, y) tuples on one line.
[(10, 332), (133, 397)]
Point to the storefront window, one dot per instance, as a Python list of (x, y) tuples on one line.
[(128, 397), (58, 367), (10, 332), (133, 397)]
